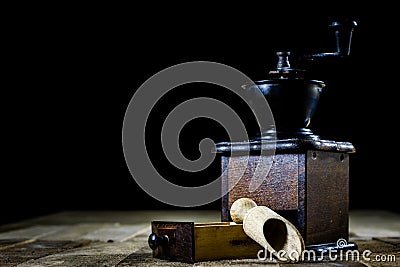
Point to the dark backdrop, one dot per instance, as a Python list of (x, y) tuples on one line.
[(72, 74)]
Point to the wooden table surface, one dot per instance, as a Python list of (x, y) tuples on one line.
[(119, 238)]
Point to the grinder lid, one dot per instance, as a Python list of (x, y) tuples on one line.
[(284, 74)]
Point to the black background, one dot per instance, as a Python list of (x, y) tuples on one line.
[(71, 73)]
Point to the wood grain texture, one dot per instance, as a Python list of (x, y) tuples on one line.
[(327, 197), (180, 245), (375, 230), (34, 250), (278, 191), (94, 254), (310, 189), (223, 241), (273, 232)]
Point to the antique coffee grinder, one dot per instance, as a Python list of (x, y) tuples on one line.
[(308, 181)]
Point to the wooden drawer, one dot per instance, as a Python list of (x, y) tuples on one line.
[(193, 242)]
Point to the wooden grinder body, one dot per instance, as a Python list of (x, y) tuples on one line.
[(308, 184)]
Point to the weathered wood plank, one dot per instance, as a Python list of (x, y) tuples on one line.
[(116, 233), (46, 241), (143, 259), (4, 243), (366, 224), (328, 264), (24, 252), (391, 240), (95, 254), (376, 246), (76, 231), (382, 253), (25, 236), (33, 232), (122, 217)]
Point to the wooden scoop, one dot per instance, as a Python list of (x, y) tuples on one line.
[(272, 231)]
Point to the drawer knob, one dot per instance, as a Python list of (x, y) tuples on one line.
[(155, 240)]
